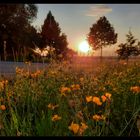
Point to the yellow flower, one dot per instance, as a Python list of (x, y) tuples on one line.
[(6, 82), (82, 128), (98, 117), (19, 70), (74, 127), (97, 101), (88, 98), (35, 74), (135, 89), (28, 63), (2, 107), (103, 117), (103, 98), (63, 94), (63, 90), (56, 118), (3, 84), (75, 87), (51, 106), (108, 95), (81, 79)]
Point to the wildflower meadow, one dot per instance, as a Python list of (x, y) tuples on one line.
[(67, 99)]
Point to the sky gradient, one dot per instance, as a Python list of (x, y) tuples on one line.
[(75, 20)]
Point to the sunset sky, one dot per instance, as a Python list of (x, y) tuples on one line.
[(75, 20)]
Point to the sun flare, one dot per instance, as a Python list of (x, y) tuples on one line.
[(84, 47)]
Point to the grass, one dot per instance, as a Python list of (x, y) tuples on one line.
[(72, 99)]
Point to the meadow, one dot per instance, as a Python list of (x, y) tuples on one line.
[(78, 98)]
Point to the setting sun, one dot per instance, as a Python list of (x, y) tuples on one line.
[(84, 47)]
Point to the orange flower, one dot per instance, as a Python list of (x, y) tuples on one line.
[(2, 107), (56, 118), (103, 98), (88, 98), (82, 128), (135, 89), (2, 84), (19, 70), (102, 117), (74, 127), (81, 79), (35, 74), (63, 90), (108, 95), (98, 117), (75, 87), (97, 101), (51, 106), (28, 63)]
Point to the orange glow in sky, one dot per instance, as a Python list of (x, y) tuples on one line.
[(84, 47)]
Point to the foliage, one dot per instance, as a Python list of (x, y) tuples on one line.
[(130, 48), (15, 28), (52, 36), (101, 34)]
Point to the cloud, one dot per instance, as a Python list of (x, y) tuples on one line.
[(98, 10)]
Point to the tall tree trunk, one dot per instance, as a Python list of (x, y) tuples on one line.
[(14, 54), (5, 53), (101, 54)]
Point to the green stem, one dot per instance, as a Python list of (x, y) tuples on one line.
[(129, 122)]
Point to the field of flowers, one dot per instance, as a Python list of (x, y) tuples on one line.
[(66, 99)]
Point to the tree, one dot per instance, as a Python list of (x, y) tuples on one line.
[(70, 53), (101, 34), (130, 48), (52, 36), (14, 22), (31, 38)]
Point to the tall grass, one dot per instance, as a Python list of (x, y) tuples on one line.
[(67, 99)]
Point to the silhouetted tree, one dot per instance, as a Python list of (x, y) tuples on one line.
[(101, 34), (52, 36), (69, 53), (14, 22), (130, 48), (31, 38)]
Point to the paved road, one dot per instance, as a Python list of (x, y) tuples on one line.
[(8, 68)]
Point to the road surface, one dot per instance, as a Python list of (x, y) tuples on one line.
[(9, 68)]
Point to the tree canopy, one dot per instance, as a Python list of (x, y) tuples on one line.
[(130, 48), (52, 36), (101, 34), (15, 25)]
